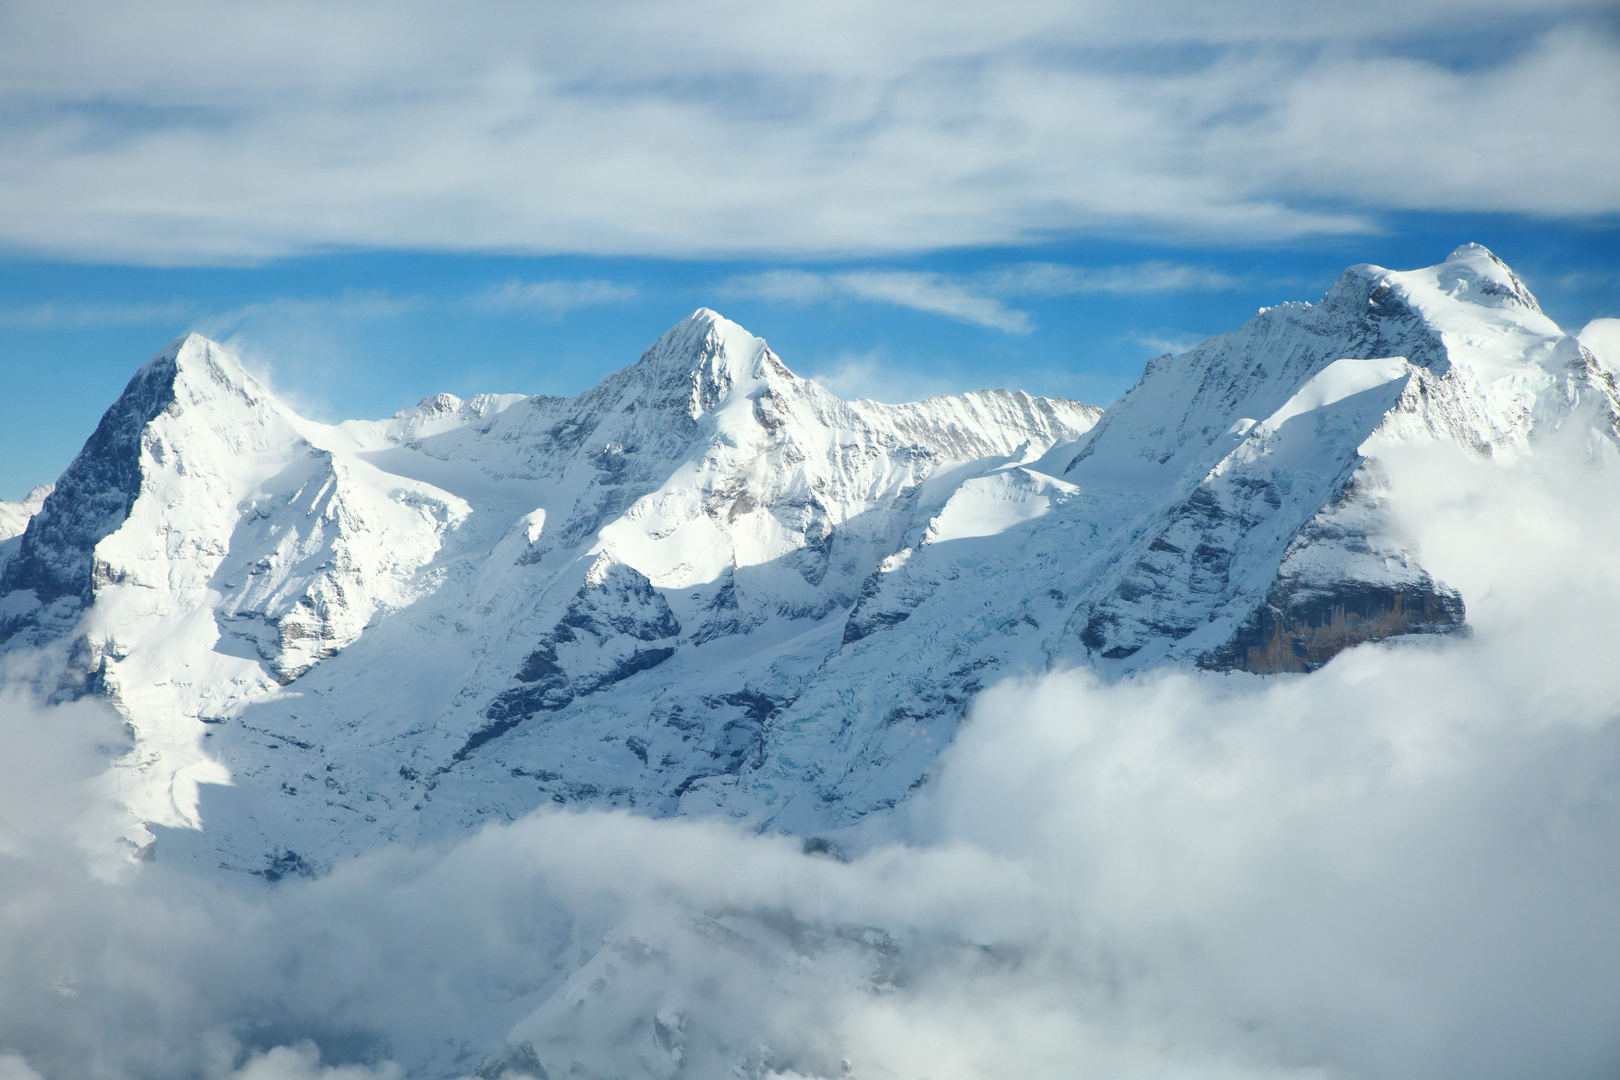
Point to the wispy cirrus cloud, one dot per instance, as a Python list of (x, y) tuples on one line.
[(977, 299), (297, 341), (353, 305), (77, 314), (936, 294), (870, 375), (1169, 341), (1057, 279), (552, 299)]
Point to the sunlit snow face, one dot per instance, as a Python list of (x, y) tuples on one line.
[(1402, 865)]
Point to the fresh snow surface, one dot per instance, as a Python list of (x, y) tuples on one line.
[(709, 587), (1602, 338), (14, 516)]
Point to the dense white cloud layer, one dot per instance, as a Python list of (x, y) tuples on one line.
[(187, 132), (1403, 865)]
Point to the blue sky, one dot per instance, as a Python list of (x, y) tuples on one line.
[(373, 203)]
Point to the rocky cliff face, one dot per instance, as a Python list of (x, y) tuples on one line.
[(709, 586), (52, 576)]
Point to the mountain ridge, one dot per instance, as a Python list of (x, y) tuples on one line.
[(708, 586)]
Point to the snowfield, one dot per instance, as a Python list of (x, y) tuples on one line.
[(707, 586), (706, 724)]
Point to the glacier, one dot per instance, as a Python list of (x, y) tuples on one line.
[(709, 588)]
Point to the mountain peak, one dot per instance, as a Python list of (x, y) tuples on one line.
[(1472, 250), (1474, 272), (1472, 275), (702, 358), (192, 400), (204, 366), (189, 346), (702, 336)]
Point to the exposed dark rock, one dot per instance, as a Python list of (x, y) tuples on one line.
[(742, 740), (285, 864), (542, 665), (640, 660), (878, 607), (56, 558), (725, 616), (585, 652), (513, 1061), (820, 845), (1302, 630)]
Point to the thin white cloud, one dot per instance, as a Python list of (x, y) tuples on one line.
[(1577, 280), (869, 375), (295, 344), (937, 294), (552, 299), (790, 286), (1056, 279), (53, 314), (704, 127), (979, 299), (1169, 342), (356, 305)]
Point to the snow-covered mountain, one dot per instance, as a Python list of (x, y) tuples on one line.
[(708, 586), (14, 516)]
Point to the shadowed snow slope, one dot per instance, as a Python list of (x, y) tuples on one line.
[(709, 587)]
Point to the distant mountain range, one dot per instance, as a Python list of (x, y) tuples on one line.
[(710, 587)]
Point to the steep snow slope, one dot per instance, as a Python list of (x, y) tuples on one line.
[(709, 586), (1602, 338), (1230, 511), (14, 515), (1234, 473), (464, 566), (200, 551), (14, 518), (703, 513)]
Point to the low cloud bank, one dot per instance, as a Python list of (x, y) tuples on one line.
[(1404, 865)]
